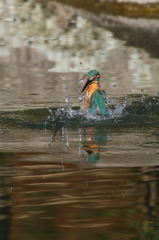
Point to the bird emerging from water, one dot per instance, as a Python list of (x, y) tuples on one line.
[(95, 98)]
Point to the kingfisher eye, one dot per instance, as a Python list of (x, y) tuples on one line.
[(97, 76)]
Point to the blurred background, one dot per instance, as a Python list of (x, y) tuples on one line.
[(63, 176)]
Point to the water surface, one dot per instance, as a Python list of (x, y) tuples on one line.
[(65, 175)]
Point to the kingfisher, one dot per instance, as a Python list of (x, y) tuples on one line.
[(95, 98)]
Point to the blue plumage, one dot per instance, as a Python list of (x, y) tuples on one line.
[(95, 97)]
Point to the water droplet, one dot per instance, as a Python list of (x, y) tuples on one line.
[(80, 97), (67, 144), (80, 82), (50, 111), (67, 99), (142, 91)]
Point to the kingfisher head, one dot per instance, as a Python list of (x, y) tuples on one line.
[(92, 76)]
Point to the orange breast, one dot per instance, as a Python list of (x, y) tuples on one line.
[(88, 93), (92, 87)]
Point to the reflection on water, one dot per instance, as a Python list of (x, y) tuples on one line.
[(60, 200), (74, 178), (65, 175), (36, 63)]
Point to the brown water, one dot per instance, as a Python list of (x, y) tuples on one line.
[(75, 177)]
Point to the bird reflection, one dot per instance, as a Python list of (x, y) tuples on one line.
[(93, 152), (94, 138), (90, 139)]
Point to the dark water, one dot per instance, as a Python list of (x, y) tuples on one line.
[(65, 175), (75, 178)]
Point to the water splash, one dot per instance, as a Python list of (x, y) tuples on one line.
[(66, 113), (51, 113), (52, 138), (80, 82), (67, 100), (142, 97), (115, 108), (131, 105), (138, 109), (79, 87)]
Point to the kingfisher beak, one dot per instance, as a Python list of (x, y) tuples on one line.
[(87, 83)]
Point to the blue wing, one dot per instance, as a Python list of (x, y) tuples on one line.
[(98, 103)]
